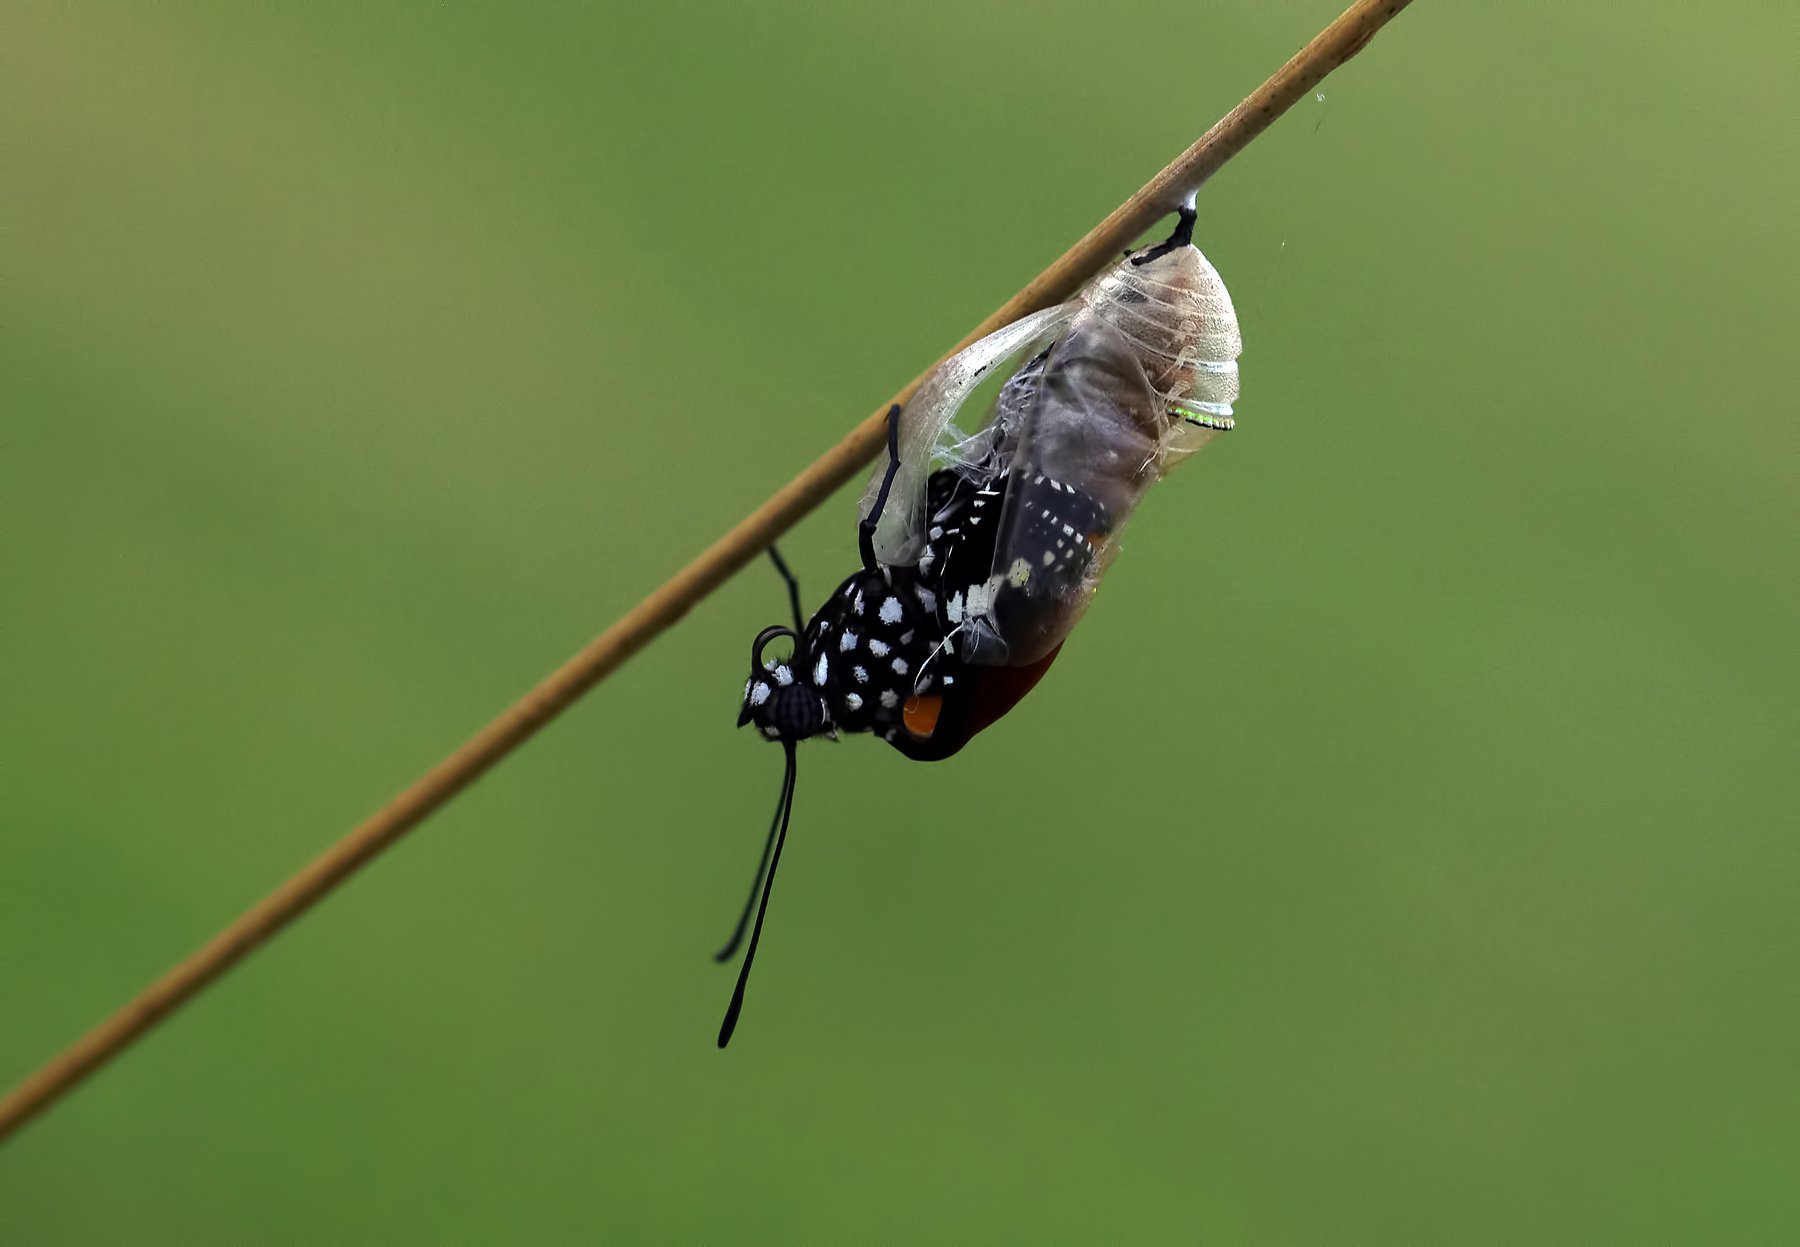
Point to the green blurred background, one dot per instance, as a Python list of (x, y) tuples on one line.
[(1428, 869)]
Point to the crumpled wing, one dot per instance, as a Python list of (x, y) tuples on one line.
[(1087, 453), (927, 432)]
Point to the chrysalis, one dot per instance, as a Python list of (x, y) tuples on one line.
[(1123, 383)]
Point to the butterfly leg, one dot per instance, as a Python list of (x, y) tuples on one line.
[(865, 532), (793, 588)]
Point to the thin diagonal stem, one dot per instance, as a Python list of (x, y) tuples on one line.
[(1336, 44)]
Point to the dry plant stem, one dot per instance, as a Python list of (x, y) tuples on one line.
[(1336, 44)]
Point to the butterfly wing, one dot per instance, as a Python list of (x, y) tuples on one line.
[(930, 439), (1087, 450)]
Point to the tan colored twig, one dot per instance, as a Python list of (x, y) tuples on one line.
[(1336, 44)]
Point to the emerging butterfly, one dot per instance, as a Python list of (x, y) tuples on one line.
[(983, 544)]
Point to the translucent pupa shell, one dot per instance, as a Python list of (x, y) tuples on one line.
[(1120, 384)]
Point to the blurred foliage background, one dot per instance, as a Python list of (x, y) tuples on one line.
[(1402, 850)]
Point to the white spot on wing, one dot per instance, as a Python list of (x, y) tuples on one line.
[(878, 648), (847, 642), (889, 698), (758, 693), (890, 611), (819, 671), (853, 701)]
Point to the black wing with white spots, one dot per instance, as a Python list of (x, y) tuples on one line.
[(998, 616)]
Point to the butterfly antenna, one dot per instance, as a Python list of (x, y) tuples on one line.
[(865, 532), (737, 995), (743, 922)]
